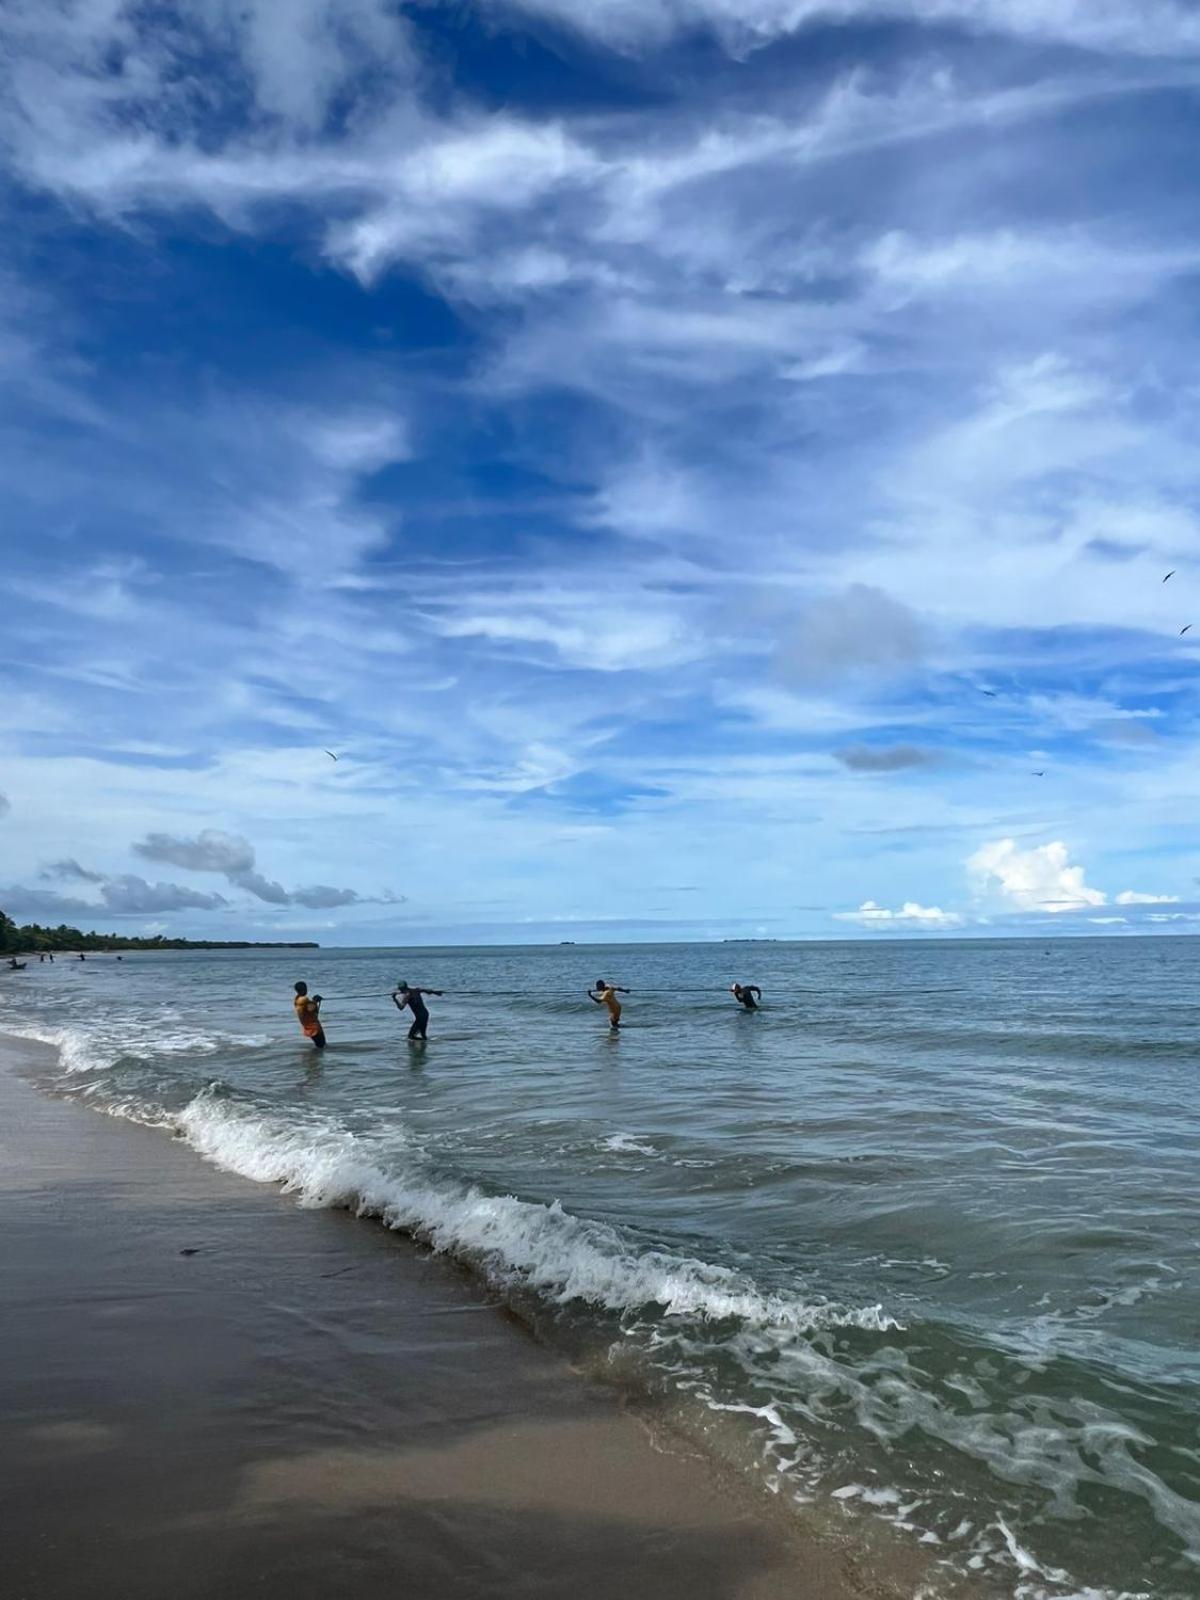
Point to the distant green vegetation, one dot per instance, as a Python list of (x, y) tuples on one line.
[(32, 936)]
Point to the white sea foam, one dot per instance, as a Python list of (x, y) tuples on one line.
[(79, 1050), (96, 1047), (626, 1144), (514, 1242)]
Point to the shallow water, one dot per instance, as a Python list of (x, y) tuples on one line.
[(917, 1241)]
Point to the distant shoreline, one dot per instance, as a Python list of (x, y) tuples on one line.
[(118, 945)]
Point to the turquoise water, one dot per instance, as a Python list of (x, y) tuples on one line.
[(916, 1242)]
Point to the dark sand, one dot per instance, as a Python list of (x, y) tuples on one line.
[(311, 1406)]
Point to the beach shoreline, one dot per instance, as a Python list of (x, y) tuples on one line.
[(210, 1389)]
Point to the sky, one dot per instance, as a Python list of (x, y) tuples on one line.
[(704, 468)]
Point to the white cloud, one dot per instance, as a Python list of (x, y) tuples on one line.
[(1078, 713), (431, 201), (907, 418), (1155, 27), (585, 632), (88, 61), (355, 442), (1038, 879), (1014, 260), (1131, 897), (910, 913)]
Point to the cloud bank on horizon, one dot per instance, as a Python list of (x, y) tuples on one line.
[(731, 445)]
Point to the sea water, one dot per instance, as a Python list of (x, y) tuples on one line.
[(917, 1241)]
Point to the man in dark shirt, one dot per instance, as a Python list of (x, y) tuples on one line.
[(749, 994), (414, 999)]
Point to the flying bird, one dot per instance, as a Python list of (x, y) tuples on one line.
[(1171, 574), (991, 693), (1037, 774), (331, 755), (1184, 629)]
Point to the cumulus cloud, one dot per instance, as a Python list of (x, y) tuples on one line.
[(209, 851), (1038, 879), (321, 897), (233, 857), (885, 758), (911, 914), (126, 895), (19, 901), (1132, 897), (261, 888)]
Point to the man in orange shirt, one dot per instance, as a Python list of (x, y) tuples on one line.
[(309, 1013)]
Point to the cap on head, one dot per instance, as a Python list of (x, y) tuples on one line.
[(301, 988), (401, 984), (600, 984)]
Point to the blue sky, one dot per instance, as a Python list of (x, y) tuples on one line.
[(693, 461)]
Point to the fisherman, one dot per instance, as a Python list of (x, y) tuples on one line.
[(605, 994), (414, 999), (748, 994), (308, 1012)]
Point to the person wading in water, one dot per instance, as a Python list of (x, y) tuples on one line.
[(605, 994), (414, 999), (308, 1013)]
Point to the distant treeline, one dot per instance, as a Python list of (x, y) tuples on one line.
[(32, 936)]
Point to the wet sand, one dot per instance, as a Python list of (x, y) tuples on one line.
[(308, 1405)]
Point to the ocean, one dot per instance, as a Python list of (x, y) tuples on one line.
[(914, 1245)]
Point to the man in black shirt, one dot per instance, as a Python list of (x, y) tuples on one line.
[(414, 999)]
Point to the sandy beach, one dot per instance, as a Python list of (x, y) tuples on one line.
[(208, 1390)]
